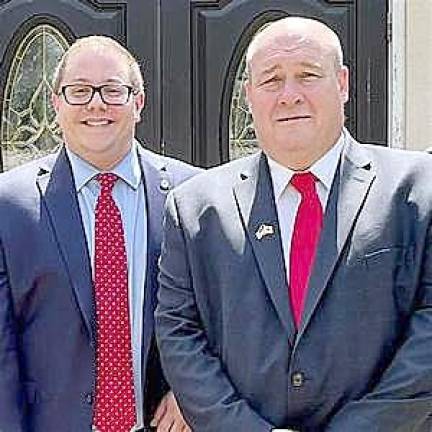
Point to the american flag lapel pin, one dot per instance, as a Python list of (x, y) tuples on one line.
[(264, 230)]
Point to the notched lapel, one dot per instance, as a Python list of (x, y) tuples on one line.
[(349, 191), (254, 195), (355, 184), (57, 191)]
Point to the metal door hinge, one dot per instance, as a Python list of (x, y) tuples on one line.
[(389, 32)]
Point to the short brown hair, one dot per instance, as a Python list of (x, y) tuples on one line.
[(99, 42)]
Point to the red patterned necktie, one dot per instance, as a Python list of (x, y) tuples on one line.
[(114, 409), (307, 228)]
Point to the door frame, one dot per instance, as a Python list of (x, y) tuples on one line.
[(396, 23)]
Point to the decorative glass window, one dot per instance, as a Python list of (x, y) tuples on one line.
[(29, 129), (242, 139)]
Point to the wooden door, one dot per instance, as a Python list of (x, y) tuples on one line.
[(191, 53), (203, 44), (33, 35)]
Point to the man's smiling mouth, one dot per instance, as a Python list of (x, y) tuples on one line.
[(97, 122)]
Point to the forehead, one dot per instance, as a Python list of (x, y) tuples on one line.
[(292, 49), (96, 64)]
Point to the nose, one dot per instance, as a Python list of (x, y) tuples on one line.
[(291, 94), (96, 102)]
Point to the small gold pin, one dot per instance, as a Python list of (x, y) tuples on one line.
[(263, 231)]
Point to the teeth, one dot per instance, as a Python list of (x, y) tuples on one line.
[(97, 122)]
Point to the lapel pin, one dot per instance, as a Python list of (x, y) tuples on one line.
[(165, 185), (263, 231)]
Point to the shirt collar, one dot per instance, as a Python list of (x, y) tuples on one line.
[(128, 169), (323, 169)]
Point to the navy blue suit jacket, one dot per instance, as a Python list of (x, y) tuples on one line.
[(47, 317), (361, 360)]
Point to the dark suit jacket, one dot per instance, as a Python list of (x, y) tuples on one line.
[(47, 317), (361, 360)]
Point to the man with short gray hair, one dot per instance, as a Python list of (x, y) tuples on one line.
[(296, 283)]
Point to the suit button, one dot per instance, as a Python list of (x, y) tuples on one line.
[(89, 398), (297, 379)]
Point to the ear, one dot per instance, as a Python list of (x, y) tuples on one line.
[(343, 80), (247, 88), (139, 103), (55, 100)]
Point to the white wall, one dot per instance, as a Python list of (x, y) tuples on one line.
[(418, 76)]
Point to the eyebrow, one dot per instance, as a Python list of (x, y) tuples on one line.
[(109, 80), (313, 65), (271, 69), (268, 70)]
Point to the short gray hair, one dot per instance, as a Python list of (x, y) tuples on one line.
[(336, 46)]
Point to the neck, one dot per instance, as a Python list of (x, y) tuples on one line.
[(107, 164), (102, 161)]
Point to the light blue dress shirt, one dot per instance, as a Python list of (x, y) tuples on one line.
[(128, 193)]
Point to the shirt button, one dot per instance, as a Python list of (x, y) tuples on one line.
[(89, 398), (297, 379)]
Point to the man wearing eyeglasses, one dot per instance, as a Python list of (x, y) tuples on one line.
[(79, 243)]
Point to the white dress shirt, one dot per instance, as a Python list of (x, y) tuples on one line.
[(287, 198)]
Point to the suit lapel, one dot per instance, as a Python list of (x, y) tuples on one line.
[(348, 193), (155, 198), (58, 194), (255, 198)]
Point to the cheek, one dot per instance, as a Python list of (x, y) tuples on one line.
[(264, 107), (326, 100), (121, 116), (68, 116), (64, 121)]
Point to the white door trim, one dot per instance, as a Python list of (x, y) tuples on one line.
[(397, 72)]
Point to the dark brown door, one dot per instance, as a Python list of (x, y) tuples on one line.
[(203, 43), (31, 32), (190, 52)]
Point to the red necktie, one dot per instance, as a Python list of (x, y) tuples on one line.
[(115, 398), (307, 228)]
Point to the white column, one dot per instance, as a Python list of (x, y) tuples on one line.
[(397, 72), (419, 74)]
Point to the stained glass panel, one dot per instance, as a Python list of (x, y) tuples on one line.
[(29, 129), (242, 139)]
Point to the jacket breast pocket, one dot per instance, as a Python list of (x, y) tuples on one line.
[(399, 256), (388, 272)]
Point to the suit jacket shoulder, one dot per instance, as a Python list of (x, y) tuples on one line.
[(215, 182), (23, 177), (401, 170), (171, 171)]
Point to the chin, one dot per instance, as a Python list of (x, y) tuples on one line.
[(292, 142)]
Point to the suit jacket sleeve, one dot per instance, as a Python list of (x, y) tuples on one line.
[(208, 399), (11, 393), (402, 399)]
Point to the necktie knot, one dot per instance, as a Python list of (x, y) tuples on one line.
[(304, 183), (106, 181)]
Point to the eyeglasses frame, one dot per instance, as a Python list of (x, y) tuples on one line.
[(97, 89)]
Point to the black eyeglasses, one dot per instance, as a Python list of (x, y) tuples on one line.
[(111, 94)]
